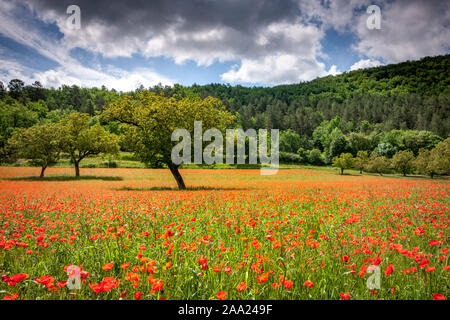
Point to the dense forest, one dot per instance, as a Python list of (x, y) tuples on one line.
[(389, 108)]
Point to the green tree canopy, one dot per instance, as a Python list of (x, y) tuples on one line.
[(403, 161), (435, 161), (377, 163), (40, 144), (344, 161), (290, 141), (361, 160), (81, 140)]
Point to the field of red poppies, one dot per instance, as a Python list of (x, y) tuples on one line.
[(300, 234)]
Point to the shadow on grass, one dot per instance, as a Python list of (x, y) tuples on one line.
[(348, 174), (66, 178), (198, 188)]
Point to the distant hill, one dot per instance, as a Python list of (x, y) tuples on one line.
[(407, 95)]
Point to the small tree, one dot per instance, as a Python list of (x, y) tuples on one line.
[(361, 160), (403, 161), (377, 164), (344, 161), (40, 144), (436, 161), (440, 157), (80, 140), (423, 163)]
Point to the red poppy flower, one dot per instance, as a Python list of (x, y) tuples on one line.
[(424, 263), (344, 296), (221, 295), (108, 266), (241, 286), (288, 284), (11, 297), (389, 269)]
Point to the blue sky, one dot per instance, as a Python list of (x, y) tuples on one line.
[(250, 42)]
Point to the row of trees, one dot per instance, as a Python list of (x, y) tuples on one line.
[(74, 135), (147, 121), (430, 162), (332, 138)]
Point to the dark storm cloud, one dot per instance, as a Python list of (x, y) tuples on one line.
[(139, 16)]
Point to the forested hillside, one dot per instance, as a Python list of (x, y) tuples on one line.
[(409, 95)]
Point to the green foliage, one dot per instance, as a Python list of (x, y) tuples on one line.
[(385, 149), (287, 157), (303, 155), (14, 115), (435, 161), (387, 109), (403, 161), (361, 160), (40, 144), (80, 140), (290, 141), (344, 161), (315, 157), (377, 164), (441, 157), (338, 144), (359, 141), (149, 119), (411, 140)]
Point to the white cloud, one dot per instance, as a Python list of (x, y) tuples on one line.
[(365, 63), (70, 71), (277, 69), (410, 29), (296, 46)]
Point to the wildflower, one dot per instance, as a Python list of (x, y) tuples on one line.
[(389, 269), (221, 295), (11, 297), (344, 296), (288, 284), (108, 266), (263, 278), (424, 263), (241, 286)]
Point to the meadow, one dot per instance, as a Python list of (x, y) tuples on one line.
[(234, 234)]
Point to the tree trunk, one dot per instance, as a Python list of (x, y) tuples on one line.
[(360, 170), (404, 174), (42, 172), (176, 174), (77, 168), (342, 171)]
